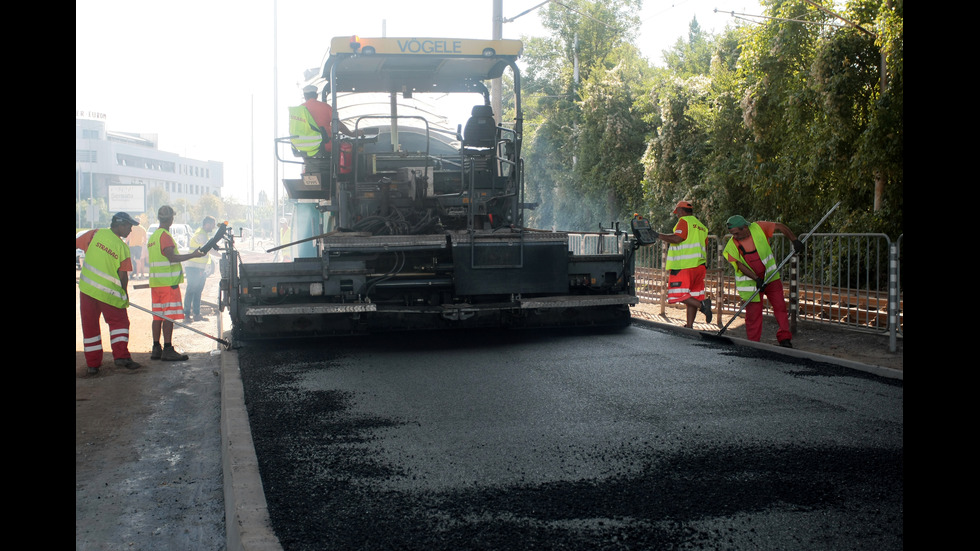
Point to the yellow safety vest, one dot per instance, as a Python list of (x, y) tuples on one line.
[(163, 273), (689, 253), (303, 131), (100, 271), (744, 284), (198, 240)]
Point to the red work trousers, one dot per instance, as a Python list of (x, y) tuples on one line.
[(753, 312), (118, 321)]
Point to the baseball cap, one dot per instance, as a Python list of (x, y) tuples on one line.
[(737, 221), (125, 218), (683, 205), (166, 211)]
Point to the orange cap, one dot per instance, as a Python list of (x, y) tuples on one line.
[(683, 204)]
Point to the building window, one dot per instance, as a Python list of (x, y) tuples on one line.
[(85, 156)]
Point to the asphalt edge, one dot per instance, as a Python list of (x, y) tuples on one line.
[(247, 523), (878, 370)]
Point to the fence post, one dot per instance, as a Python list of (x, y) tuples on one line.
[(893, 297), (794, 292), (664, 281), (720, 301)]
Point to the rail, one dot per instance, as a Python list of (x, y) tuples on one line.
[(851, 280)]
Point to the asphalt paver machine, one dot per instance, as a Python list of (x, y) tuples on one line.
[(410, 225)]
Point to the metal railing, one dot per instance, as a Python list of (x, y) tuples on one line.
[(596, 243), (851, 280)]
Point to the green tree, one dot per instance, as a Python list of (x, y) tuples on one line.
[(208, 205), (573, 118), (696, 151), (156, 197), (822, 127)]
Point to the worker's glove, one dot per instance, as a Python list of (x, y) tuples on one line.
[(798, 246), (760, 283)]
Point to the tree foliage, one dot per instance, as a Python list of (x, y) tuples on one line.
[(774, 121), (585, 132)]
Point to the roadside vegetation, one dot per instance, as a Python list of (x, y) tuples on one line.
[(776, 121)]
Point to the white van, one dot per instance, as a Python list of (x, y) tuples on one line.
[(181, 234)]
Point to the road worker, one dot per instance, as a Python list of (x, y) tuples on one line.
[(166, 275), (752, 258), (686, 258), (102, 288)]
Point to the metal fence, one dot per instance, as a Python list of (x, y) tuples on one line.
[(595, 243), (847, 279)]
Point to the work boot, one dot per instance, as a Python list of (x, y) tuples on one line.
[(157, 351), (170, 354), (706, 310), (128, 363), (201, 318), (92, 371), (786, 343)]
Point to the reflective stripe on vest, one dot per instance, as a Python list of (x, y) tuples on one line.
[(99, 278), (163, 273), (689, 253), (303, 130), (744, 284)]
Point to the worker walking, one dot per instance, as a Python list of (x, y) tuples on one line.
[(102, 288), (686, 258), (752, 258), (166, 275)]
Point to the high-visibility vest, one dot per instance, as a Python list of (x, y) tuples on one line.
[(304, 133), (99, 278), (744, 284), (198, 240), (163, 273), (689, 253)]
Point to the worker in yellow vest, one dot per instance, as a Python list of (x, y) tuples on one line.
[(102, 291), (197, 270), (752, 258), (686, 260), (166, 275)]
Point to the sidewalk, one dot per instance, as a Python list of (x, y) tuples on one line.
[(833, 342)]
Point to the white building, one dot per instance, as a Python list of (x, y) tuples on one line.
[(122, 167)]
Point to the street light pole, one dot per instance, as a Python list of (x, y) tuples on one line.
[(275, 119), (496, 87)]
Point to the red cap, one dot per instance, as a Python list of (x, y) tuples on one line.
[(683, 204)]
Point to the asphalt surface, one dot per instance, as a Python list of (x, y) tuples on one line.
[(629, 439), (246, 518)]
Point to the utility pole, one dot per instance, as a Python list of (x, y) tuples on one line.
[(275, 119), (251, 173), (496, 87)]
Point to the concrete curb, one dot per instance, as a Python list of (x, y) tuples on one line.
[(247, 523), (791, 352)]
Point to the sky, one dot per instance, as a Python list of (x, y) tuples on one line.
[(210, 77)]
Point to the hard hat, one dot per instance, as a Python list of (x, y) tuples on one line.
[(166, 211), (309, 89), (683, 205), (125, 218)]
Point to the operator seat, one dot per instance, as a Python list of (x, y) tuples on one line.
[(480, 130)]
